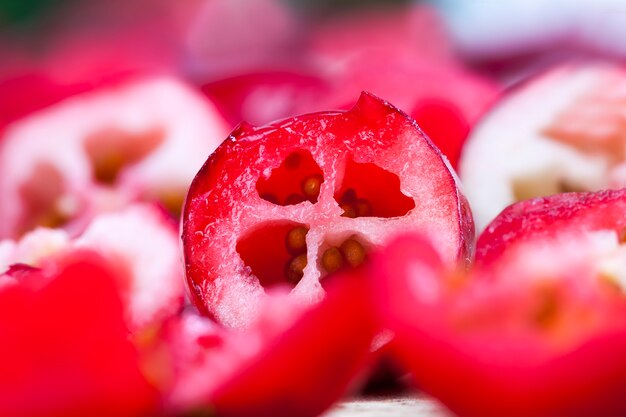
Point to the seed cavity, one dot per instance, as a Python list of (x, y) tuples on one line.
[(42, 196), (353, 206), (296, 180), (295, 269), (368, 190), (275, 252), (111, 150)]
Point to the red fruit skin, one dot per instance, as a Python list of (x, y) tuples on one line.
[(261, 97), (445, 99), (307, 368), (65, 348), (223, 194), (549, 217), (492, 373)]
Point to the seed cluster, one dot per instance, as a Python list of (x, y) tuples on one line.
[(350, 253), (353, 206), (295, 241), (309, 190)]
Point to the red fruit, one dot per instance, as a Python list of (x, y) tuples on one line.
[(262, 97), (141, 241), (64, 345), (287, 363), (555, 216), (142, 139), (409, 30), (540, 337), (445, 99), (291, 202), (567, 136), (398, 55)]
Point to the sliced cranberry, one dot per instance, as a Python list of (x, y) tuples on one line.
[(351, 179)]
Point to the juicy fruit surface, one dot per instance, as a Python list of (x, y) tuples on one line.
[(568, 135), (541, 338), (349, 178), (549, 217)]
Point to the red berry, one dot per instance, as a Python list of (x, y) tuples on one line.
[(291, 361), (551, 217), (65, 347), (241, 206), (542, 334)]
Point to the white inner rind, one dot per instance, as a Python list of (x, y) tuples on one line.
[(509, 155)]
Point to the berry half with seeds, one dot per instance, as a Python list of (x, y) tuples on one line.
[(287, 204)]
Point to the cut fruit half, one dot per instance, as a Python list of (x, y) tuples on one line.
[(340, 182), (562, 131), (141, 139)]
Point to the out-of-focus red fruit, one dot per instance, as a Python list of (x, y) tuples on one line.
[(568, 135), (141, 241), (142, 139), (411, 30), (64, 345), (232, 37), (444, 99), (288, 203), (292, 361), (552, 217), (538, 336), (23, 94), (262, 97)]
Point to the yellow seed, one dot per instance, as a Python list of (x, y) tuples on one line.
[(363, 208), (332, 260), (295, 241), (348, 210), (353, 252), (295, 269), (311, 186)]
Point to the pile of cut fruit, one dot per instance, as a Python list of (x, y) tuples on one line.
[(315, 249)]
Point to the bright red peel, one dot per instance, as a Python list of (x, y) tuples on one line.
[(65, 352), (523, 344)]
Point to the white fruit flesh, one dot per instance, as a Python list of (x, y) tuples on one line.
[(560, 132), (153, 133)]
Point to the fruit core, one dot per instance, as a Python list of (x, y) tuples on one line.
[(277, 252)]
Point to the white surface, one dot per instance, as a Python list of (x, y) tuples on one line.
[(413, 406)]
